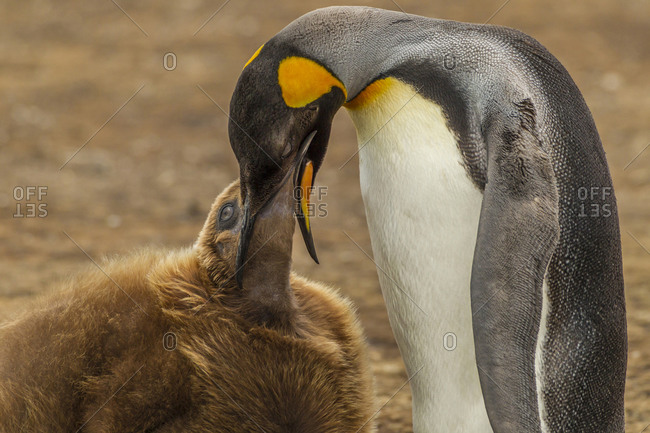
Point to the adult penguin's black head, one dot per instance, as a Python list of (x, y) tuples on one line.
[(280, 119)]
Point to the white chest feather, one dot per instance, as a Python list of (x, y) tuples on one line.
[(423, 212)]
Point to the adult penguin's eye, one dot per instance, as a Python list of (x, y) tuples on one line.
[(287, 150), (226, 212)]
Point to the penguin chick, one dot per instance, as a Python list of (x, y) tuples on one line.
[(168, 342)]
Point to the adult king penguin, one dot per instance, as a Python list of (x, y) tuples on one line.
[(475, 145)]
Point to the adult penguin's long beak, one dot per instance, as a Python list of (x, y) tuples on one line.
[(302, 174), (303, 181)]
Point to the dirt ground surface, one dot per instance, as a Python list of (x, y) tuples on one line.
[(148, 176)]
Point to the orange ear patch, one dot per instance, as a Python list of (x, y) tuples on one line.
[(303, 81), (372, 91), (257, 53)]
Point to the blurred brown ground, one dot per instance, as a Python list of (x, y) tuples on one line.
[(148, 177)]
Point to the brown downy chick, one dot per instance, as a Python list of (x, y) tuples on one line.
[(169, 343)]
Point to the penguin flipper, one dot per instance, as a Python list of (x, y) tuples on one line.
[(517, 234)]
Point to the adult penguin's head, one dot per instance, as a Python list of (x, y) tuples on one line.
[(280, 118)]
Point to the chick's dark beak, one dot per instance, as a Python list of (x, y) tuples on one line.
[(244, 241), (302, 173)]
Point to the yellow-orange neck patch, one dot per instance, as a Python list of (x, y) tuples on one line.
[(303, 81), (257, 53), (368, 95)]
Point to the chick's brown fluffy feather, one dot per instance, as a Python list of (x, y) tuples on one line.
[(169, 344)]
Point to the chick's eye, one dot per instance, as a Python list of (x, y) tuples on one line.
[(287, 150), (226, 212)]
